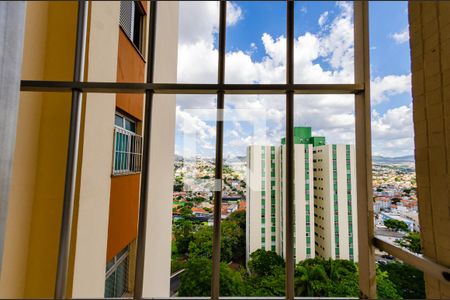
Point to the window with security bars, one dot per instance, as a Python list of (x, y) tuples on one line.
[(131, 21), (116, 283), (127, 157)]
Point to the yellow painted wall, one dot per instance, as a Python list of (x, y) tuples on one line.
[(52, 151), (34, 217), (13, 273)]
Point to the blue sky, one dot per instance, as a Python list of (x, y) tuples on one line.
[(323, 54)]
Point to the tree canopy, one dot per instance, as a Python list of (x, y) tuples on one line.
[(196, 280), (396, 225), (408, 280), (411, 241)]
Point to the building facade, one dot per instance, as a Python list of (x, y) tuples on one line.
[(104, 229), (335, 202), (324, 198)]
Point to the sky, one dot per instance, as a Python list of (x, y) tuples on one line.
[(323, 53)]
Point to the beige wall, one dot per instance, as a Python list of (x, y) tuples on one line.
[(430, 54), (159, 219), (12, 277), (96, 160)]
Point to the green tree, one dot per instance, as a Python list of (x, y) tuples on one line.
[(396, 225), (178, 184), (233, 238), (183, 231), (408, 280), (238, 217), (232, 242), (201, 243), (196, 280), (311, 280), (186, 212), (411, 241), (264, 263), (267, 276), (266, 286), (385, 288)]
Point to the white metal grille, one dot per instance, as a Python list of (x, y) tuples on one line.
[(127, 13), (127, 152)]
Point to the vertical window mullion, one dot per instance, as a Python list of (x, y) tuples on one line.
[(72, 155), (290, 262), (366, 257), (146, 133), (215, 278)]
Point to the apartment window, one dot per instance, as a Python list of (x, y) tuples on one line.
[(127, 147), (116, 283), (131, 21), (130, 17)]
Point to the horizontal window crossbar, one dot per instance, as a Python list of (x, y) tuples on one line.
[(424, 264), (187, 88)]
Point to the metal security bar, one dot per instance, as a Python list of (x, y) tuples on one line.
[(72, 154), (363, 146), (127, 158)]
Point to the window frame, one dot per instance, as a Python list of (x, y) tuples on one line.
[(360, 88)]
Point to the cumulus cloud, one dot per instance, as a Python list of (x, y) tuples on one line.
[(400, 37), (323, 57), (384, 87), (392, 132)]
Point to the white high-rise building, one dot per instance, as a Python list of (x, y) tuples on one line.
[(263, 187), (322, 174), (335, 202)]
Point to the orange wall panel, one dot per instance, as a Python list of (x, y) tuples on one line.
[(130, 68), (123, 212)]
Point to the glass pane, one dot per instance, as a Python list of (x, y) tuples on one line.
[(253, 231), (110, 286), (395, 198), (130, 125), (323, 48), (193, 195), (118, 120), (256, 41), (326, 244), (197, 41)]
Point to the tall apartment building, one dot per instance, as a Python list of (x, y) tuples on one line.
[(264, 213), (335, 202), (102, 251), (312, 233)]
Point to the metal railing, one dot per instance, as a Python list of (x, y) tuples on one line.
[(127, 158)]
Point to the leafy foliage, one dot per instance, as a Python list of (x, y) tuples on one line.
[(411, 241), (396, 225), (408, 280), (385, 288), (263, 263), (196, 280), (232, 242), (183, 231)]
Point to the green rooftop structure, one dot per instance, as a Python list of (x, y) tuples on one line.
[(303, 135)]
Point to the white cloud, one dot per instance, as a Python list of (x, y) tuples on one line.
[(323, 57), (199, 20), (323, 18), (400, 37), (392, 132), (384, 87)]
